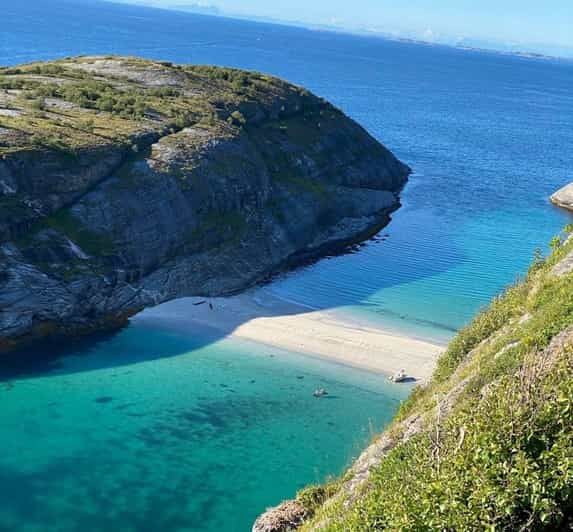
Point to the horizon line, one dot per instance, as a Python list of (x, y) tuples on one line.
[(496, 46)]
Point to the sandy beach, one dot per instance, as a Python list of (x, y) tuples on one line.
[(260, 316)]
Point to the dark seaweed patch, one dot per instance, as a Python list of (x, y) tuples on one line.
[(104, 399)]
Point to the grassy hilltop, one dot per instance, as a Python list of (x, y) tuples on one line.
[(76, 102)]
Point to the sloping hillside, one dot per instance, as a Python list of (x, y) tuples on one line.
[(488, 444)]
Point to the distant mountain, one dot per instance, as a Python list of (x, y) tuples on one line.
[(540, 50), (178, 5), (204, 9)]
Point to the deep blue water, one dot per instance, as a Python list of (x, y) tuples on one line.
[(150, 430)]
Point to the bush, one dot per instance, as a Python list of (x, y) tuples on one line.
[(39, 104), (237, 119)]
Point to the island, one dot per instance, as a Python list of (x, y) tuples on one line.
[(125, 183)]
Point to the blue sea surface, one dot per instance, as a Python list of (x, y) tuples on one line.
[(152, 429)]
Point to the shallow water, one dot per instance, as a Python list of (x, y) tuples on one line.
[(426, 278), (153, 430)]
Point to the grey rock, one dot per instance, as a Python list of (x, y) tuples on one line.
[(286, 517), (564, 197), (564, 266)]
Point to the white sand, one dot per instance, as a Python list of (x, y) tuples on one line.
[(262, 317)]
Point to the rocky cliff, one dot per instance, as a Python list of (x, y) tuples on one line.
[(125, 182)]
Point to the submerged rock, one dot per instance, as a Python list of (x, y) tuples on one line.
[(125, 183)]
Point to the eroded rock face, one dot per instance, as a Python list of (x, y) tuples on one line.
[(286, 517), (564, 197), (252, 181)]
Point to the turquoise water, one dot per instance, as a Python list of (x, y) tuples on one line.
[(151, 429), (383, 282)]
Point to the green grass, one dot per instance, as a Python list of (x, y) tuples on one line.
[(512, 468), (312, 497), (502, 457), (108, 108)]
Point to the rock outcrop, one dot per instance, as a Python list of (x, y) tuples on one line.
[(286, 517), (564, 197), (125, 183)]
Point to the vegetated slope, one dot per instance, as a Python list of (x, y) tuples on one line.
[(488, 444), (126, 182)]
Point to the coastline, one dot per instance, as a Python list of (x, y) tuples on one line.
[(262, 317)]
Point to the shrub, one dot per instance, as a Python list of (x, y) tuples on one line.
[(503, 463), (237, 119), (39, 104)]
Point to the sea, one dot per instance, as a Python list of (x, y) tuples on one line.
[(156, 429)]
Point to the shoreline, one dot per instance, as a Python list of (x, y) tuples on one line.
[(264, 318)]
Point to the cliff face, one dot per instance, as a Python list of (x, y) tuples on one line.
[(124, 183), (487, 444)]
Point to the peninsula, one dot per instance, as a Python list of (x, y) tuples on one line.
[(125, 183)]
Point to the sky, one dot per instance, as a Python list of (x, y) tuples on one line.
[(545, 24)]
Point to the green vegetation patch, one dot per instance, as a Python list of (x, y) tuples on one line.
[(501, 463), (82, 101), (219, 229), (312, 497)]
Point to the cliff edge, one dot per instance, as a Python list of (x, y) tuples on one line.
[(126, 182)]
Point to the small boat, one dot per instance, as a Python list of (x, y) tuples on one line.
[(200, 303), (321, 392), (401, 376)]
